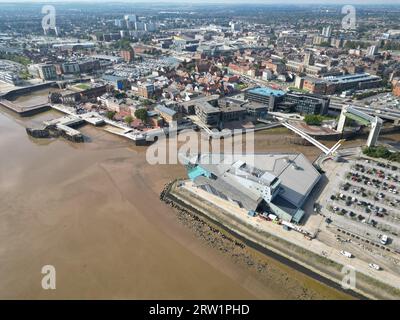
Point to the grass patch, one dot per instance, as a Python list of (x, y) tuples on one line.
[(83, 86), (278, 130), (382, 152)]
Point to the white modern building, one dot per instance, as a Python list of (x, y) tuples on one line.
[(327, 31), (275, 183), (372, 51)]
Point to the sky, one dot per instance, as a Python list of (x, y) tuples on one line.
[(319, 2)]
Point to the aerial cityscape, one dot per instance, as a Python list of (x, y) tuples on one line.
[(204, 151)]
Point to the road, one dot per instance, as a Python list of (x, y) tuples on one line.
[(384, 113)]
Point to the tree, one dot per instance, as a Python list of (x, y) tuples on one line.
[(324, 44), (16, 58), (146, 102), (141, 114), (384, 153), (128, 120), (123, 44), (110, 114), (120, 95), (313, 120), (379, 152)]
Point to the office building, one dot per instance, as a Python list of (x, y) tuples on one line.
[(167, 114), (309, 59), (70, 68), (359, 81), (327, 31), (305, 103), (43, 71), (208, 114), (266, 96), (119, 23), (119, 83), (127, 55), (235, 27), (146, 90), (372, 51), (130, 20)]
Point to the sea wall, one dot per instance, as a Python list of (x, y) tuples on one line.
[(19, 91)]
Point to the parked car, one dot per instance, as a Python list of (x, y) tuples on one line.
[(328, 221), (346, 254), (374, 266)]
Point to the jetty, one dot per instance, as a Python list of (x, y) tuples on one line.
[(59, 127), (138, 137)]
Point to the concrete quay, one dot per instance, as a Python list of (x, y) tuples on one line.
[(24, 111), (139, 138)]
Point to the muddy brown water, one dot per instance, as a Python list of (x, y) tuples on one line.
[(92, 210)]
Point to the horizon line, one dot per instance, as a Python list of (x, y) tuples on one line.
[(228, 2)]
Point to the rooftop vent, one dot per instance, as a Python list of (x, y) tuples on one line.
[(295, 166)]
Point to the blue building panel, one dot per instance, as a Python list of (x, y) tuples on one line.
[(265, 91), (197, 171), (120, 85), (298, 216)]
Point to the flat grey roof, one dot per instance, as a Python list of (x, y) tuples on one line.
[(297, 175), (254, 105), (163, 109), (200, 100), (230, 191), (207, 108)]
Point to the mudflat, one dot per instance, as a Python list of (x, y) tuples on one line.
[(92, 210)]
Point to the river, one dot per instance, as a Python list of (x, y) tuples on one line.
[(92, 210)]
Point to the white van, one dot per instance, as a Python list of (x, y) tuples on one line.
[(384, 239), (346, 254)]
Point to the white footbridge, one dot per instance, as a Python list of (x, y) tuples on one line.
[(323, 148)]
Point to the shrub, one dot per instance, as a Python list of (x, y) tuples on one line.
[(313, 120), (128, 120), (141, 114), (110, 114), (382, 152)]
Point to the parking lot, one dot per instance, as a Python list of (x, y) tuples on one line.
[(364, 200), (10, 66), (382, 100), (143, 68)]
